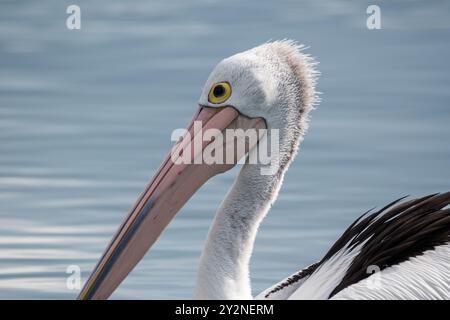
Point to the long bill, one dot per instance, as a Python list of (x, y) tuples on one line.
[(169, 189)]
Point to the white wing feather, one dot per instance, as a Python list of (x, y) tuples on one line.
[(423, 277)]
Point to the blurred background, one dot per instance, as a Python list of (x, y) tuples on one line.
[(86, 117)]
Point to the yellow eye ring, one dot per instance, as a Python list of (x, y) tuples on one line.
[(219, 93)]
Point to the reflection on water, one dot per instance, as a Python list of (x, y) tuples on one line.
[(86, 116)]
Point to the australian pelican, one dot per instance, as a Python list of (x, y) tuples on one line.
[(269, 87)]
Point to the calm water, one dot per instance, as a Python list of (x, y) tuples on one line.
[(86, 117)]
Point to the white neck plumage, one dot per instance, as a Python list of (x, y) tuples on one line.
[(224, 264)]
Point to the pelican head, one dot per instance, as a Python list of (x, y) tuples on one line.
[(268, 87), (274, 81)]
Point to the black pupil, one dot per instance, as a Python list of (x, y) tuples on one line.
[(219, 91)]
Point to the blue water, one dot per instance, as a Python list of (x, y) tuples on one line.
[(86, 117)]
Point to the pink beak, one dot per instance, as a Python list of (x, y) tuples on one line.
[(171, 187)]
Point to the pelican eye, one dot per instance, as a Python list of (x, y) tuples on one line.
[(220, 92)]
